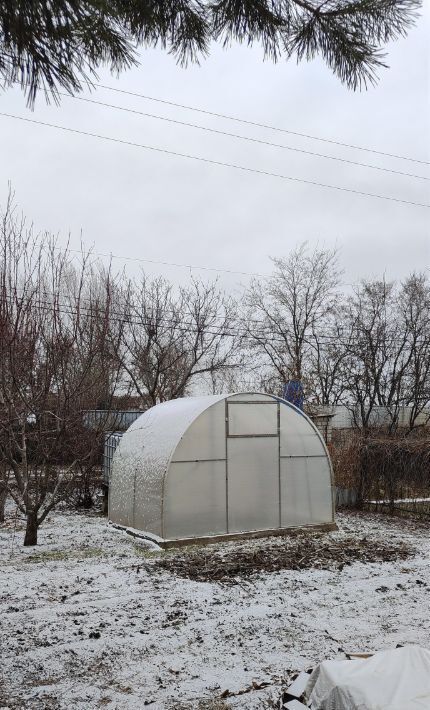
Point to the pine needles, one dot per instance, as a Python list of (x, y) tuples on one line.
[(61, 44)]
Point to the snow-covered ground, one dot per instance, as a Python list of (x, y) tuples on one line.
[(87, 621)]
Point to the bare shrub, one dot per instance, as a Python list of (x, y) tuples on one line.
[(381, 467), (395, 468)]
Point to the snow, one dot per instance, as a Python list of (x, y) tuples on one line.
[(146, 448), (402, 500), (88, 622), (162, 426)]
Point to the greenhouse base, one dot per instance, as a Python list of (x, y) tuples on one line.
[(225, 537)]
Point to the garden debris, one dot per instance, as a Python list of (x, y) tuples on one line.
[(255, 685), (229, 563)]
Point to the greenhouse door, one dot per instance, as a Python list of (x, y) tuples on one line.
[(252, 466)]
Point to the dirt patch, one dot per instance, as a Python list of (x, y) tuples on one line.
[(301, 552)]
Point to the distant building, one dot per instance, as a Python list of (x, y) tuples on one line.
[(341, 416)]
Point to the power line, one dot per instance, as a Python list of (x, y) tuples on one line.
[(191, 267), (133, 306), (263, 125), (217, 162), (231, 331), (244, 138)]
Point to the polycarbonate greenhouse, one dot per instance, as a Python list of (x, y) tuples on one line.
[(221, 465)]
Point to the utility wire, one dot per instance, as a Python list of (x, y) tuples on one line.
[(168, 263), (217, 162), (244, 138), (135, 307), (231, 331), (190, 267), (262, 125)]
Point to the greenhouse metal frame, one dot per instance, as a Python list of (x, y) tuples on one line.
[(219, 467)]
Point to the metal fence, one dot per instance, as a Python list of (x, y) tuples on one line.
[(112, 439), (345, 497), (343, 416), (111, 420)]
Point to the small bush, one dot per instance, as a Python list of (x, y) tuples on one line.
[(382, 467)]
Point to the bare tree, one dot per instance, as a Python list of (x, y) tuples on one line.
[(245, 375), (55, 350), (368, 313), (414, 310), (327, 366), (4, 479), (285, 312), (370, 351), (388, 361), (174, 338)]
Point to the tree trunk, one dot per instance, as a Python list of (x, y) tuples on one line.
[(105, 503), (31, 529), (3, 498)]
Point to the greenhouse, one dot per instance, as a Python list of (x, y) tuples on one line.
[(221, 466)]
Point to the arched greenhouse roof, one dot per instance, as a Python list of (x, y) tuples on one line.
[(199, 467)]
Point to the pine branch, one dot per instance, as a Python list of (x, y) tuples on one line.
[(61, 44)]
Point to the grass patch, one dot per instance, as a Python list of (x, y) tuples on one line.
[(62, 555), (145, 552)]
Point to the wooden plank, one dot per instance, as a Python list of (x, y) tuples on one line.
[(252, 534), (213, 539)]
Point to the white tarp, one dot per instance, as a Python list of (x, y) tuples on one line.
[(398, 679)]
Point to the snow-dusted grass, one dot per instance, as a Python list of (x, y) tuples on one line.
[(87, 621)]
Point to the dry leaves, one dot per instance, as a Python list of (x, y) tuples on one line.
[(237, 563)]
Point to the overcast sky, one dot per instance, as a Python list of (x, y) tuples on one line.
[(146, 205)]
